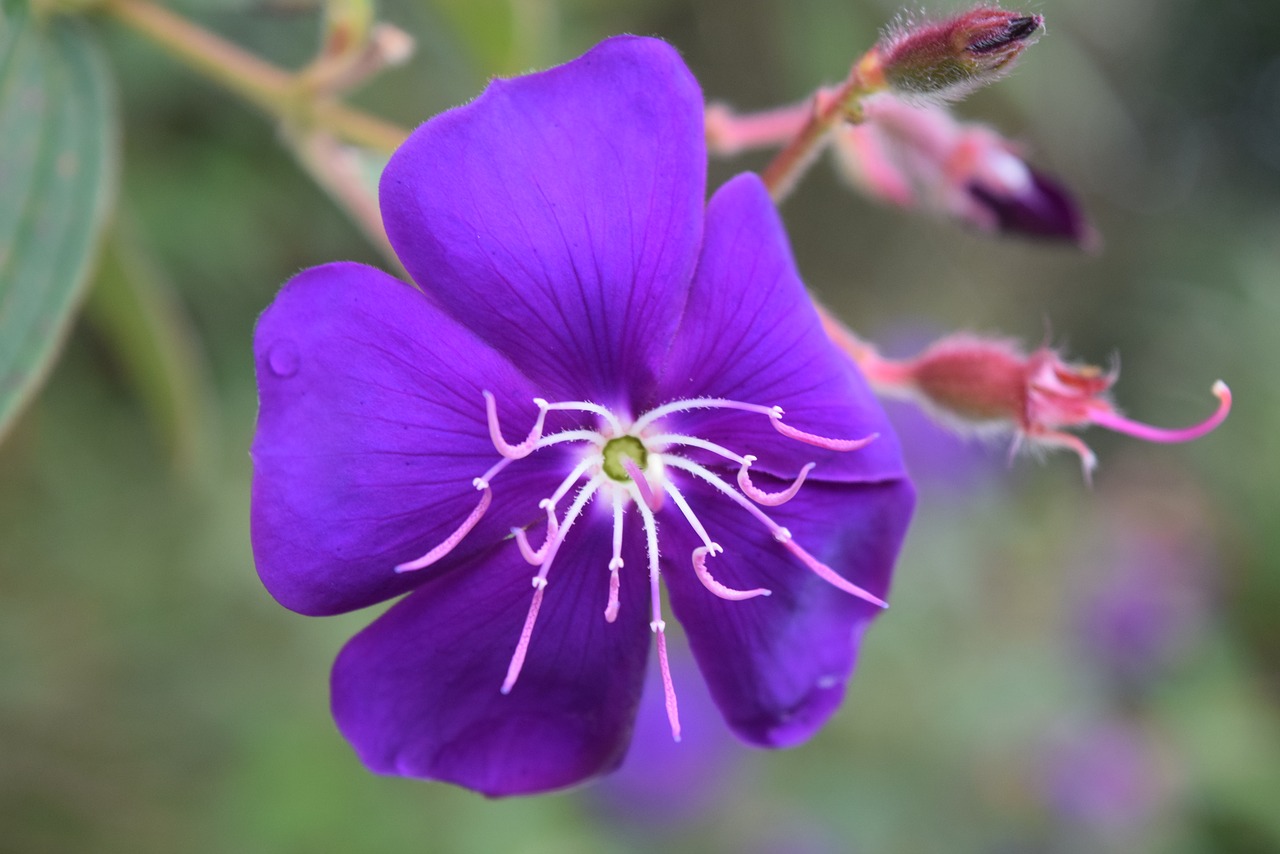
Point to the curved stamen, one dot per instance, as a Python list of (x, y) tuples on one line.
[(701, 403), (771, 499), (615, 562), (1117, 422), (781, 534), (694, 442), (522, 539), (648, 494), (820, 441), (574, 475), (451, 541), (593, 408), (540, 581), (570, 436), (521, 449), (700, 556), (657, 624), (694, 522)]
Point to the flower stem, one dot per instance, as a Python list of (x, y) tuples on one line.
[(829, 108), (270, 88)]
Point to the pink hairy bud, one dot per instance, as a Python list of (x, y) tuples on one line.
[(948, 59), (991, 385)]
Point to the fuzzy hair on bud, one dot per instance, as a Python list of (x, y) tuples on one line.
[(944, 60)]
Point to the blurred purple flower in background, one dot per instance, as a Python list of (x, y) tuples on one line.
[(1110, 778), (1148, 607), (572, 280)]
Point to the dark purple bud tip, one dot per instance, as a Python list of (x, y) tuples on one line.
[(1044, 209), (1016, 30)]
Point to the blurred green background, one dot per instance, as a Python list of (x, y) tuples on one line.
[(1063, 669)]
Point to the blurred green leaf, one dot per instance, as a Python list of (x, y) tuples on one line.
[(134, 308), (59, 135)]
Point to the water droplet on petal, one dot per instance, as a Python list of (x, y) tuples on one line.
[(283, 359)]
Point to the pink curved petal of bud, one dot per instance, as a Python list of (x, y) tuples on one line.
[(1117, 422), (821, 441), (700, 569), (771, 499), (451, 542), (522, 449)]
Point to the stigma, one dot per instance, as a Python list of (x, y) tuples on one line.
[(628, 466)]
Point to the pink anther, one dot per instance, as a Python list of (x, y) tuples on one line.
[(819, 441), (700, 569), (772, 499), (522, 647), (522, 539), (668, 687), (825, 572), (522, 449), (451, 542)]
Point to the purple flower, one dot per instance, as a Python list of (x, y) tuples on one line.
[(572, 289)]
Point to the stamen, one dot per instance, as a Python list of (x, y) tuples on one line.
[(615, 562), (540, 581), (1117, 422), (694, 522), (522, 539), (451, 542), (593, 408), (570, 436), (701, 403), (781, 534), (772, 499), (646, 490), (522, 449), (570, 479), (657, 624), (694, 442), (700, 556), (821, 441)]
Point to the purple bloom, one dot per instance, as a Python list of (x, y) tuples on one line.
[(573, 290)]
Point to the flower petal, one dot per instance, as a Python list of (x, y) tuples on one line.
[(777, 665), (559, 214), (417, 692), (750, 333), (371, 428)]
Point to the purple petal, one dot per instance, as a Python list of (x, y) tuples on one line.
[(371, 428), (417, 693), (1046, 209), (750, 333), (777, 665), (559, 215)]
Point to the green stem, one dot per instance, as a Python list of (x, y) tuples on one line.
[(270, 88)]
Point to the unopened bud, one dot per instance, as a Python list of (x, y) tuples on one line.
[(983, 384), (948, 59)]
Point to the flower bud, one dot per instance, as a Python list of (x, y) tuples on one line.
[(989, 385), (920, 157), (948, 59)]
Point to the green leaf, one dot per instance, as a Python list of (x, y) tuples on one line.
[(60, 142)]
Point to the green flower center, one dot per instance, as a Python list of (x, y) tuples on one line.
[(618, 451)]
